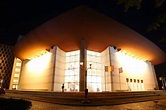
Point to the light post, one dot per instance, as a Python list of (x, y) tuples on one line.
[(163, 82), (86, 89)]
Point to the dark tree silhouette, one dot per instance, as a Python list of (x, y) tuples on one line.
[(161, 18), (159, 24)]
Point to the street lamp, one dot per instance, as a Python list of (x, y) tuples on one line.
[(86, 89), (163, 82)]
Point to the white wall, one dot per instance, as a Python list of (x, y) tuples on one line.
[(106, 76), (149, 78), (45, 72), (59, 69), (134, 69), (37, 73)]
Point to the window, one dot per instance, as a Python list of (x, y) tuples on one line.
[(94, 73), (18, 64), (15, 80), (15, 86), (127, 79), (17, 70), (72, 71), (18, 59), (16, 75)]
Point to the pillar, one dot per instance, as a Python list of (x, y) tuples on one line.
[(82, 66)]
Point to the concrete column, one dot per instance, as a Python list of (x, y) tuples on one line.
[(111, 71), (82, 67), (54, 50)]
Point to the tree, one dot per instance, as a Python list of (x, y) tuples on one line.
[(158, 23)]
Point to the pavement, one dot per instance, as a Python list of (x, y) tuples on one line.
[(148, 105), (114, 101), (94, 99)]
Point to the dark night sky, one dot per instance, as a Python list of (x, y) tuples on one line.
[(20, 17)]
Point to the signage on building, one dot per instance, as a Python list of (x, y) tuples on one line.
[(109, 68)]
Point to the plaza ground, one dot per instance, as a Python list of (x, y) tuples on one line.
[(140, 100), (149, 105)]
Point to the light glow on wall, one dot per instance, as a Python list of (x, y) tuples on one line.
[(38, 54), (130, 64), (37, 65)]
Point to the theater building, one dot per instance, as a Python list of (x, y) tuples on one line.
[(85, 49)]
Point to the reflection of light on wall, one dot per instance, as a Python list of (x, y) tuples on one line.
[(39, 64), (38, 54), (130, 64)]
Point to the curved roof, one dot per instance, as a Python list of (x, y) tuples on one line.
[(99, 31)]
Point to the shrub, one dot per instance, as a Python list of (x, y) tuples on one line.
[(14, 104)]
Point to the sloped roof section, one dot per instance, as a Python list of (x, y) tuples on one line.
[(99, 31)]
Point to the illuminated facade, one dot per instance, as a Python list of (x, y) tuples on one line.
[(50, 70), (82, 48)]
